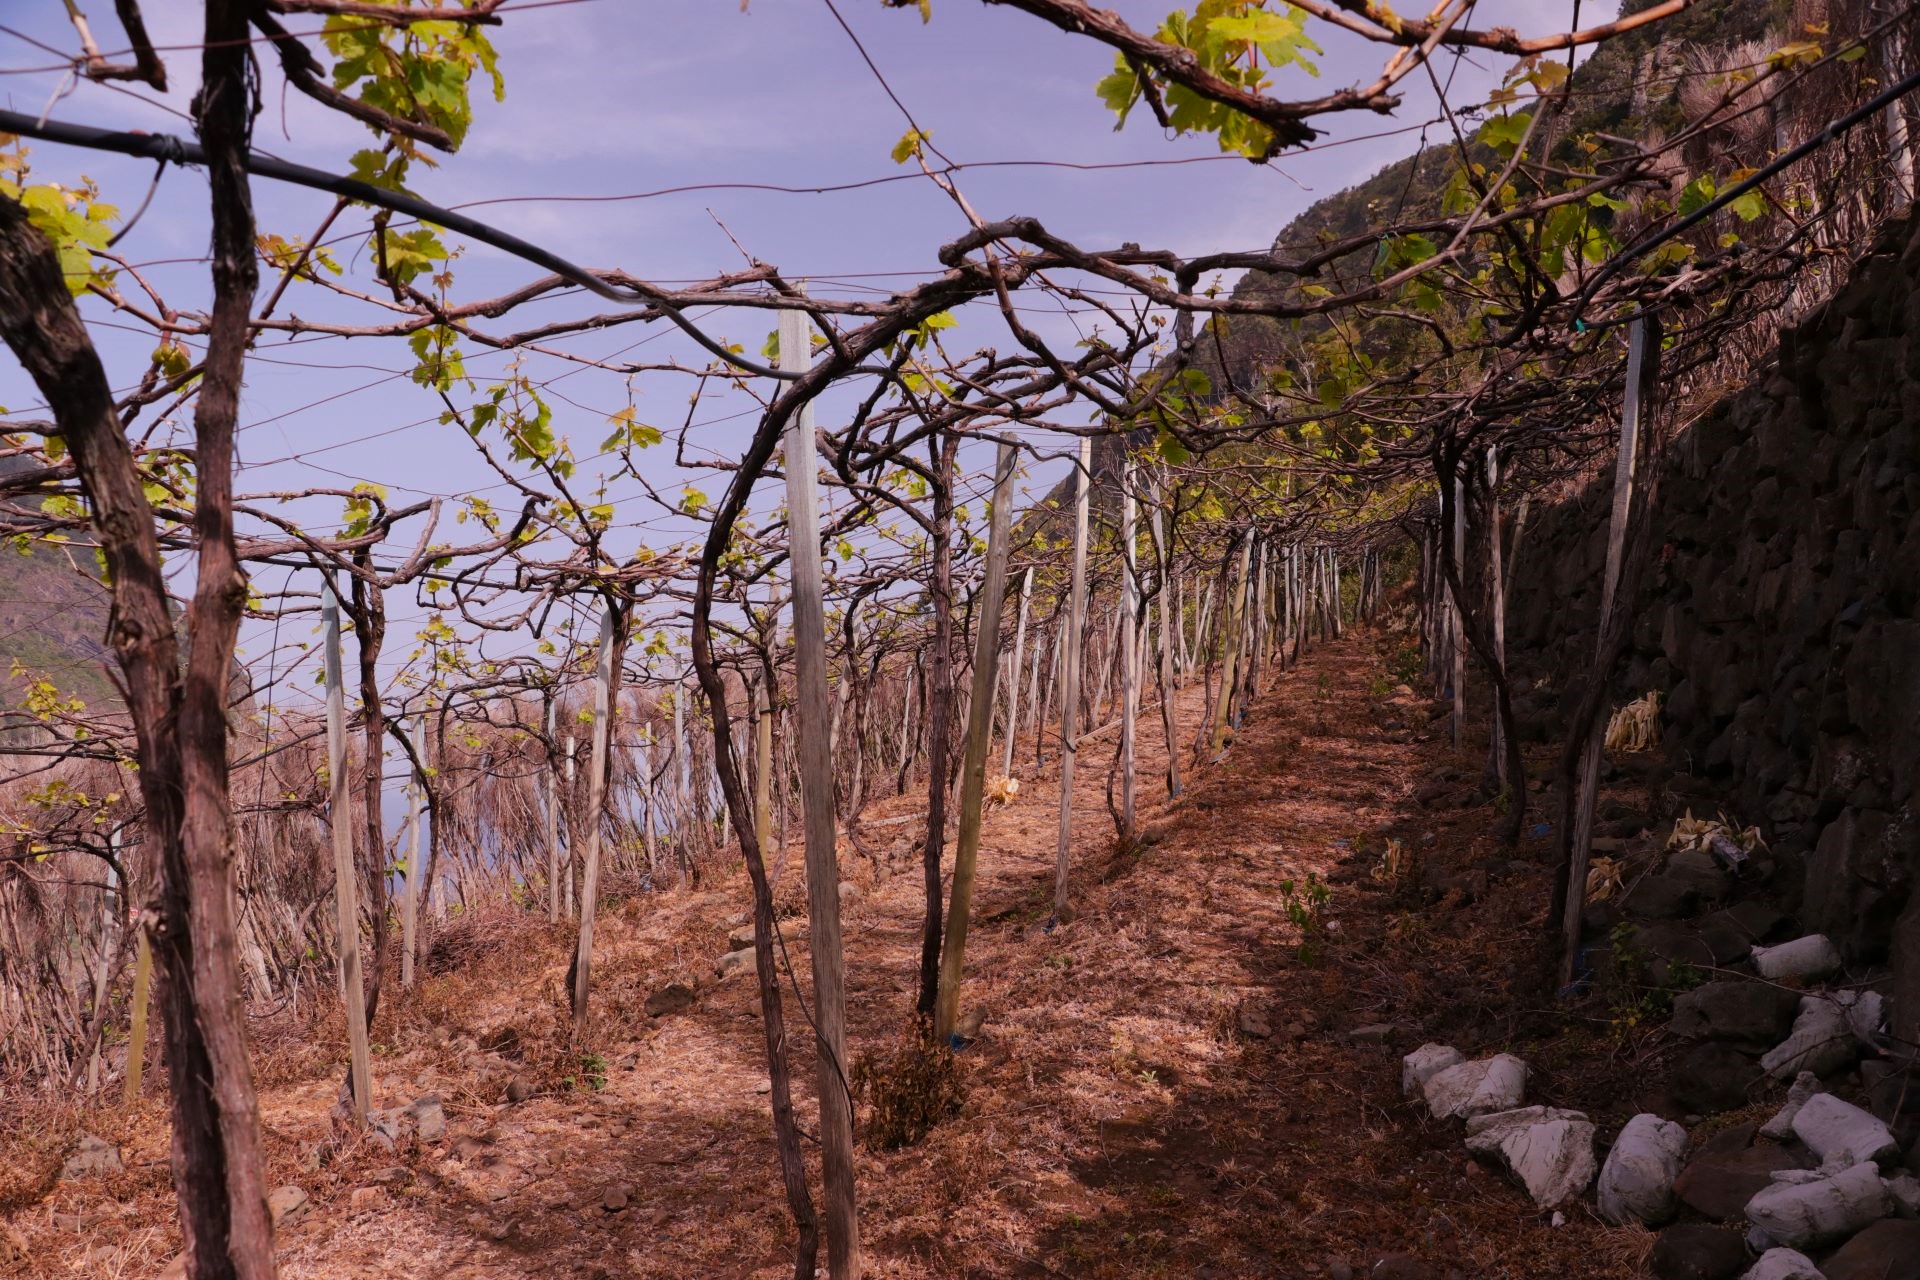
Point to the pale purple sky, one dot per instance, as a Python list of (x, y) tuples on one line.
[(609, 97)]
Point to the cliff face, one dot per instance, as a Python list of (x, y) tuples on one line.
[(1780, 614), (53, 623)]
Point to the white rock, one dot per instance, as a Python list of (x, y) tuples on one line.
[(1783, 1264), (1905, 1190), (1805, 959), (1548, 1149), (1477, 1088), (429, 1117), (287, 1204), (1841, 1134), (1780, 1128), (94, 1156), (1636, 1183), (1821, 1041), (1424, 1063), (1866, 1013), (1813, 1213)]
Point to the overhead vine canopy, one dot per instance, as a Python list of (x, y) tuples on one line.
[(485, 412)]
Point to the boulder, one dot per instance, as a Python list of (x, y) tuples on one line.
[(1807, 959), (1866, 1014), (94, 1157), (1714, 1076), (1821, 1211), (1783, 1264), (1695, 1251), (1821, 1041), (1905, 1190), (672, 998), (287, 1204), (1254, 1024), (1636, 1183), (1754, 920), (1780, 1128), (1424, 1063), (1667, 950), (429, 1118), (733, 962), (1550, 1150), (1728, 1170), (1477, 1088), (1888, 1250), (1841, 1134), (1753, 1013)]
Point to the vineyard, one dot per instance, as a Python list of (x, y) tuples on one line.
[(546, 732)]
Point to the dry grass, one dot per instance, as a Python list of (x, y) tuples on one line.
[(1115, 1120)]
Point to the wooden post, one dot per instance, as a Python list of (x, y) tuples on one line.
[(553, 819), (1170, 627), (763, 764), (812, 717), (345, 882), (1232, 612), (1456, 628), (410, 887), (142, 992), (682, 784), (1130, 648), (573, 836), (1070, 673), (1012, 727), (973, 766), (604, 678), (1642, 359), (1497, 603)]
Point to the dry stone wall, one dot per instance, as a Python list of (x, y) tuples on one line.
[(1779, 615)]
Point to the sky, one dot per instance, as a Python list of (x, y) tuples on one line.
[(609, 99)]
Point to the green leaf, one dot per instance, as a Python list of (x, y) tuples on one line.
[(910, 146)]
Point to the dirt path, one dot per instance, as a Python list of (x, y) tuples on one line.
[(1166, 1085)]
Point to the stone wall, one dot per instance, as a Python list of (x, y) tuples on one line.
[(1779, 612)]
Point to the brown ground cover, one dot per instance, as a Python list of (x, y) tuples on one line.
[(1173, 1082)]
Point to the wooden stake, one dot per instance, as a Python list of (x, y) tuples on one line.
[(345, 881), (1456, 631), (1012, 724), (812, 716), (604, 678), (410, 886), (553, 819), (973, 766), (763, 764), (1070, 673), (1170, 629), (1642, 359), (142, 992), (1130, 649)]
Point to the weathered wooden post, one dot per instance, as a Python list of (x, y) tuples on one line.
[(1012, 724), (1070, 672), (604, 677), (410, 886), (973, 767), (1129, 648), (345, 881), (813, 722), (553, 817), (1642, 361)]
